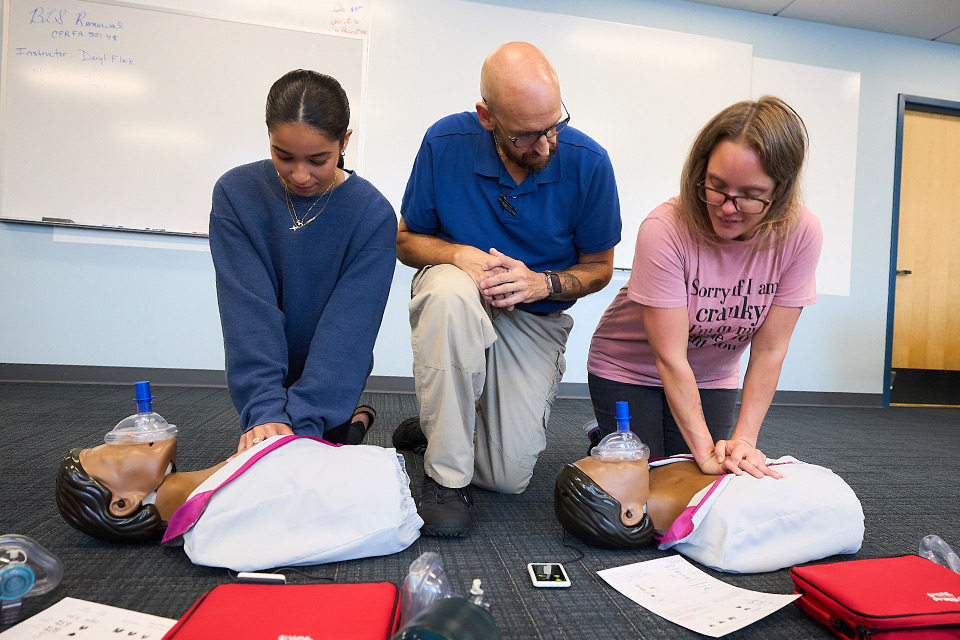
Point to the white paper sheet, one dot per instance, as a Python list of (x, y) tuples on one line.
[(72, 618), (674, 589)]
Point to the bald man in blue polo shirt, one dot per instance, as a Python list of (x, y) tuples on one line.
[(510, 215)]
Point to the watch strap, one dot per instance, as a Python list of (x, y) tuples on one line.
[(554, 285)]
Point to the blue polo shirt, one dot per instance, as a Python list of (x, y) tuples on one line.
[(568, 208)]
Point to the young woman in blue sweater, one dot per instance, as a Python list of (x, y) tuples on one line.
[(304, 253)]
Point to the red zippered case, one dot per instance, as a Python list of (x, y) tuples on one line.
[(358, 611), (884, 598)]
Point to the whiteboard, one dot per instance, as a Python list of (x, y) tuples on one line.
[(125, 116), (828, 100), (642, 93), (141, 145)]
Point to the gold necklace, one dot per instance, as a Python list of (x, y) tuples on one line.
[(299, 223)]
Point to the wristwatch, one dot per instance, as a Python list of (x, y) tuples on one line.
[(554, 286)]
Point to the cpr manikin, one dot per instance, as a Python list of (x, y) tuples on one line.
[(730, 523), (111, 491), (314, 501), (602, 499)]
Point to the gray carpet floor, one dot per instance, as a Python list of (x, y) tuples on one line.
[(902, 462)]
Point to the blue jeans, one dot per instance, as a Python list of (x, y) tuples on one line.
[(651, 416)]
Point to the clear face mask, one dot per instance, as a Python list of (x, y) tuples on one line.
[(26, 570), (143, 426), (622, 445)]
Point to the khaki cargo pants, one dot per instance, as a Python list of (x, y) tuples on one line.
[(486, 380)]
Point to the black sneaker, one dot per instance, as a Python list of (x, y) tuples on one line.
[(445, 511), (408, 436)]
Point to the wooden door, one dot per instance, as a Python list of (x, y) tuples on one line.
[(926, 325)]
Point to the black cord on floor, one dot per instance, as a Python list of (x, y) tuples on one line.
[(563, 541)]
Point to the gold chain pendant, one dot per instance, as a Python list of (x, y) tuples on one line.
[(299, 223)]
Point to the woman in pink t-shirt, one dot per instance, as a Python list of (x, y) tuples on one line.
[(729, 262)]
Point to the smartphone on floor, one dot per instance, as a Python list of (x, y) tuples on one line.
[(548, 574)]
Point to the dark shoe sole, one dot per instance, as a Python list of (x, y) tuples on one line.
[(435, 532)]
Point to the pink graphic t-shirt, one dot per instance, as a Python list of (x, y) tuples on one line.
[(727, 290)]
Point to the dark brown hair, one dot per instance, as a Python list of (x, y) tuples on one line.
[(777, 134), (312, 98)]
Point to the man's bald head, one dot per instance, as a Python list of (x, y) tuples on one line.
[(521, 97), (518, 72)]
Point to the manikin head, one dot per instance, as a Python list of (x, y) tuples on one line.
[(602, 499), (603, 503), (101, 491)]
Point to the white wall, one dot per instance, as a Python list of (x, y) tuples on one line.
[(149, 306)]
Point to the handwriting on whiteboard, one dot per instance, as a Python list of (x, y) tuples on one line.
[(69, 47), (350, 18)]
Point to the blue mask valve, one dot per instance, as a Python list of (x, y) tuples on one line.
[(623, 445), (623, 415), (16, 582), (143, 397)]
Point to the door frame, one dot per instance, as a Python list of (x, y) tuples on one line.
[(913, 103)]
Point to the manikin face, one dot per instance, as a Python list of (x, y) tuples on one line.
[(735, 169), (130, 471), (305, 158), (627, 482)]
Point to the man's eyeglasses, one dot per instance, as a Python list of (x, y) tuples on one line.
[(743, 204), (522, 142)]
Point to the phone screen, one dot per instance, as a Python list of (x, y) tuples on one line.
[(549, 574)]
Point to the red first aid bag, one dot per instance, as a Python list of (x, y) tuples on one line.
[(905, 597), (361, 611)]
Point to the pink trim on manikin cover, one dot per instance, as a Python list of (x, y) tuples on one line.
[(683, 525), (190, 511)]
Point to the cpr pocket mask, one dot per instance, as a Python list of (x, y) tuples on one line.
[(623, 445), (934, 549), (425, 582), (429, 610), (26, 570), (143, 426)]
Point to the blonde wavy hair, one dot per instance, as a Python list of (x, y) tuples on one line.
[(773, 129)]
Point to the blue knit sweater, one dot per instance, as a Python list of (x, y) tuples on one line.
[(300, 310)]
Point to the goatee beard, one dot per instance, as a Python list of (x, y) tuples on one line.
[(540, 164)]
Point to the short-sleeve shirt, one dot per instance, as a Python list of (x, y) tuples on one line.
[(460, 191), (727, 289)]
